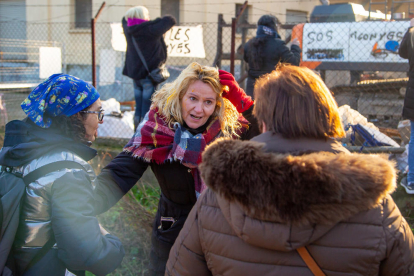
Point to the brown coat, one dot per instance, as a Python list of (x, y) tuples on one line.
[(262, 205)]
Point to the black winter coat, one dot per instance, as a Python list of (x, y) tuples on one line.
[(276, 51), (407, 51), (149, 36)]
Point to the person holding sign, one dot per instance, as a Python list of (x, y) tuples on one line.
[(266, 50), (146, 55), (186, 115)]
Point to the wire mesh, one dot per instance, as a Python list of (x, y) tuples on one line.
[(369, 88)]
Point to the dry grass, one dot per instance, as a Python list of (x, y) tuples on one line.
[(131, 219)]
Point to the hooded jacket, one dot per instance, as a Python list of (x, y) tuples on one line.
[(275, 51), (149, 37), (59, 203), (262, 205)]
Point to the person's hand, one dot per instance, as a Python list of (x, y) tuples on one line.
[(296, 42), (234, 94), (103, 230), (412, 22)]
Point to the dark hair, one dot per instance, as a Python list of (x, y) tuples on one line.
[(268, 20), (72, 126), (294, 102), (257, 55)]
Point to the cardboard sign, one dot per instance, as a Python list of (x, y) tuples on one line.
[(371, 41), (181, 41), (185, 41), (50, 61), (118, 38)]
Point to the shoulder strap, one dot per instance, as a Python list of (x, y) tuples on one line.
[(310, 262), (31, 177), (141, 56), (42, 252), (55, 166)]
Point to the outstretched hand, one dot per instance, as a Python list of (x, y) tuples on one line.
[(296, 42), (234, 94)]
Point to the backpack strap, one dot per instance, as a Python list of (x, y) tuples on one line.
[(41, 253), (310, 262), (55, 166), (31, 177)]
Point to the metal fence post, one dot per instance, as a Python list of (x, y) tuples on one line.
[(93, 21), (233, 42), (233, 36), (219, 53)]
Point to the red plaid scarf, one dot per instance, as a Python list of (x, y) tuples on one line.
[(155, 141)]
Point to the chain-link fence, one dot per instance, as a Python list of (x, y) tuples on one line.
[(359, 62)]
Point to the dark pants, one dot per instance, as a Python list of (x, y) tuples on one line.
[(250, 87), (165, 232), (143, 90)]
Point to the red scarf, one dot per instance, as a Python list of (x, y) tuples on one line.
[(154, 141)]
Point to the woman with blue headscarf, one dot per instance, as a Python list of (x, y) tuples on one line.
[(266, 50), (63, 115)]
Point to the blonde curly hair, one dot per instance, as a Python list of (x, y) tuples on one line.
[(168, 98)]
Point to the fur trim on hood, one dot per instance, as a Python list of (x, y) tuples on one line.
[(321, 188)]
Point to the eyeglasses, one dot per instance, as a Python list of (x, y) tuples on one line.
[(100, 113)]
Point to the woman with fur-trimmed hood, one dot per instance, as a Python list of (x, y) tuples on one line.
[(293, 191)]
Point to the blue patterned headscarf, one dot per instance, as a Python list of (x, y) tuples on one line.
[(59, 95)]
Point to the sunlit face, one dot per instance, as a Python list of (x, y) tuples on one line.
[(198, 104), (92, 122)]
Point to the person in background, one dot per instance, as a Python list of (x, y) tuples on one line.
[(148, 34), (186, 116), (406, 50), (293, 191), (63, 116), (266, 50)]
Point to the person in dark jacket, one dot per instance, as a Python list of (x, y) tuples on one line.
[(294, 190), (148, 34), (186, 115), (64, 113), (266, 50), (406, 50)]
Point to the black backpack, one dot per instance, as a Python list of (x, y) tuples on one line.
[(12, 188)]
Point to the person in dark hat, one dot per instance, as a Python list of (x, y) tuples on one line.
[(266, 50)]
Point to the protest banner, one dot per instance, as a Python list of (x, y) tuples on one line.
[(181, 41)]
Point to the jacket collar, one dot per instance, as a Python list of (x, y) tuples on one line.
[(142, 27), (277, 143), (25, 141), (317, 188)]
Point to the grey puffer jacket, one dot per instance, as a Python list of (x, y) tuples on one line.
[(60, 203)]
